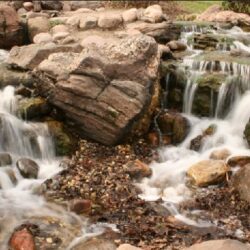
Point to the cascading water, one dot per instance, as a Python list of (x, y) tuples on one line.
[(169, 175)]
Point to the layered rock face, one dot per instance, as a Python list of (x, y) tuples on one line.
[(109, 88), (11, 32)]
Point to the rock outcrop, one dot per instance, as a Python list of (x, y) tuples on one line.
[(109, 89)]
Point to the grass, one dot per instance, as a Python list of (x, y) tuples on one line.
[(196, 6)]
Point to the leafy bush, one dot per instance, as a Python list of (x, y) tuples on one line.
[(242, 6)]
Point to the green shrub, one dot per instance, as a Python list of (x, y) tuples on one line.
[(242, 6)]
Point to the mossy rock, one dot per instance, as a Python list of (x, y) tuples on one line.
[(64, 141), (34, 107), (212, 81), (247, 133)]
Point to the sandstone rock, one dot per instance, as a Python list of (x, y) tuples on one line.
[(22, 12), (37, 5), (59, 28), (226, 244), (5, 159), (84, 10), (11, 32), (42, 38), (128, 247), (221, 154), (80, 206), (241, 183), (102, 102), (86, 4), (13, 77), (37, 25), (162, 32), (109, 21), (30, 108), (60, 36), (64, 142), (239, 161), (138, 170), (32, 14), (177, 45), (73, 21), (22, 239), (30, 56), (68, 40), (130, 15), (28, 6), (27, 168), (153, 14), (88, 22), (17, 4), (208, 172), (52, 5)]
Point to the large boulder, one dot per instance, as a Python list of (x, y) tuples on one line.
[(42, 38), (37, 25), (30, 56), (241, 182), (109, 21), (153, 14), (208, 172), (226, 244), (11, 31), (112, 89)]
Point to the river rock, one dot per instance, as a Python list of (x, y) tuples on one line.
[(205, 41), (42, 38), (221, 154), (162, 32), (109, 21), (128, 247), (174, 125), (88, 22), (130, 15), (59, 28), (37, 25), (239, 161), (11, 31), (241, 183), (226, 244), (30, 56), (60, 36), (177, 46), (28, 6), (64, 141), (86, 4), (80, 206), (27, 168), (21, 240), (14, 77), (105, 104), (30, 108), (153, 14), (138, 170), (5, 159), (208, 172), (10, 172)]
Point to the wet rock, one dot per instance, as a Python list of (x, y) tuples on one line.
[(247, 133), (156, 140), (130, 15), (5, 159), (10, 172), (42, 38), (205, 41), (80, 206), (37, 25), (23, 91), (21, 240), (162, 32), (30, 108), (153, 14), (12, 77), (30, 56), (177, 46), (138, 170), (221, 154), (27, 168), (174, 125), (241, 183), (109, 21), (64, 142), (198, 141), (208, 172), (11, 31), (226, 244), (104, 109), (128, 247), (239, 161)]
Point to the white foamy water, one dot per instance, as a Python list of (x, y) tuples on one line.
[(168, 180)]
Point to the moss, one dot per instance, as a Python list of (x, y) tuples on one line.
[(53, 23), (213, 81)]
